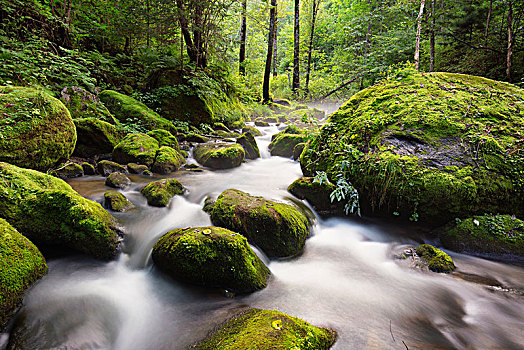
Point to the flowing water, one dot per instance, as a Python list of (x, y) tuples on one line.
[(345, 279)]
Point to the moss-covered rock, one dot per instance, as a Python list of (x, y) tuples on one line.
[(117, 180), (83, 104), (279, 229), (159, 193), (297, 151), (220, 126), (136, 148), (437, 260), (21, 264), (265, 329), (193, 137), (88, 168), (137, 168), (167, 160), (249, 144), (270, 120), (134, 114), (284, 144), (95, 137), (36, 130), (211, 257), (165, 138), (279, 108), (225, 134), (219, 155), (260, 122), (317, 194), (106, 167), (68, 171), (430, 147), (252, 130), (236, 124), (116, 201), (49, 212), (486, 235), (301, 114)]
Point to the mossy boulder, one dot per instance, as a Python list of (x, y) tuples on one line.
[(249, 144), (83, 104), (284, 144), (437, 260), (116, 201), (211, 257), (89, 169), (167, 160), (134, 114), (68, 171), (95, 137), (297, 151), (137, 168), (50, 213), (159, 193), (193, 137), (136, 148), (260, 122), (317, 194), (266, 329), (164, 138), (225, 134), (21, 265), (117, 180), (219, 155), (501, 235), (106, 167), (430, 147), (279, 229), (252, 130), (236, 124), (36, 130), (301, 114)]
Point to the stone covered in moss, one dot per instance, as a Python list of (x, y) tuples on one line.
[(159, 193), (165, 138), (83, 104), (117, 180), (249, 144), (49, 212), (106, 167), (279, 229), (21, 264), (136, 148), (211, 257), (133, 113), (116, 201), (266, 329), (430, 147), (225, 134), (219, 155), (193, 137), (236, 124), (314, 113), (167, 160), (88, 169), (486, 235), (437, 260), (315, 193), (137, 168), (297, 151), (284, 144), (36, 130), (260, 122), (69, 171), (95, 137), (252, 130)]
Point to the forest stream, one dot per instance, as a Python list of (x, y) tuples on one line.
[(346, 279)]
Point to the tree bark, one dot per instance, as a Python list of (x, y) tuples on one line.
[(311, 36), (417, 39), (510, 41), (487, 23), (432, 38), (243, 35), (275, 56), (270, 43), (296, 52)]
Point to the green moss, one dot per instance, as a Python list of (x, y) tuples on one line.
[(21, 264), (49, 212), (167, 160), (236, 124), (137, 168), (259, 122), (192, 137), (278, 229), (136, 148), (437, 260), (68, 171), (36, 130), (211, 257), (265, 329), (284, 144), (249, 144), (116, 201), (219, 155), (117, 180), (315, 193), (307, 114), (252, 130), (430, 147), (96, 137), (486, 234), (164, 138), (83, 104), (159, 193), (106, 167), (225, 134), (297, 151)]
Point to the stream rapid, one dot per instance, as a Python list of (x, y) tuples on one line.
[(346, 279)]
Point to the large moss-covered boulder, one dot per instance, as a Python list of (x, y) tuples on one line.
[(96, 137), (501, 235), (36, 130), (83, 104), (159, 193), (219, 155), (437, 260), (164, 138), (50, 213), (316, 193), (266, 329), (211, 257), (136, 148), (284, 144), (134, 114), (21, 264), (116, 201), (106, 167), (278, 229), (167, 160), (249, 144), (428, 147)]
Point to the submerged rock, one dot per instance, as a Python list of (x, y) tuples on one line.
[(69, 171), (36, 130), (211, 257), (219, 155), (106, 167), (116, 201), (266, 329), (159, 193), (279, 229), (437, 260), (117, 180), (249, 144), (136, 148), (95, 137), (167, 160)]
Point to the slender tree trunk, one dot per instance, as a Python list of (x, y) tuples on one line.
[(311, 36), (419, 29), (296, 52), (510, 41), (487, 22), (184, 27), (270, 43), (275, 53), (432, 39), (243, 35), (181, 51)]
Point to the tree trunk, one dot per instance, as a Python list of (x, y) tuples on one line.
[(184, 27), (510, 41), (310, 51), (487, 22), (243, 35), (270, 43), (275, 63), (419, 29), (432, 39), (296, 51)]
